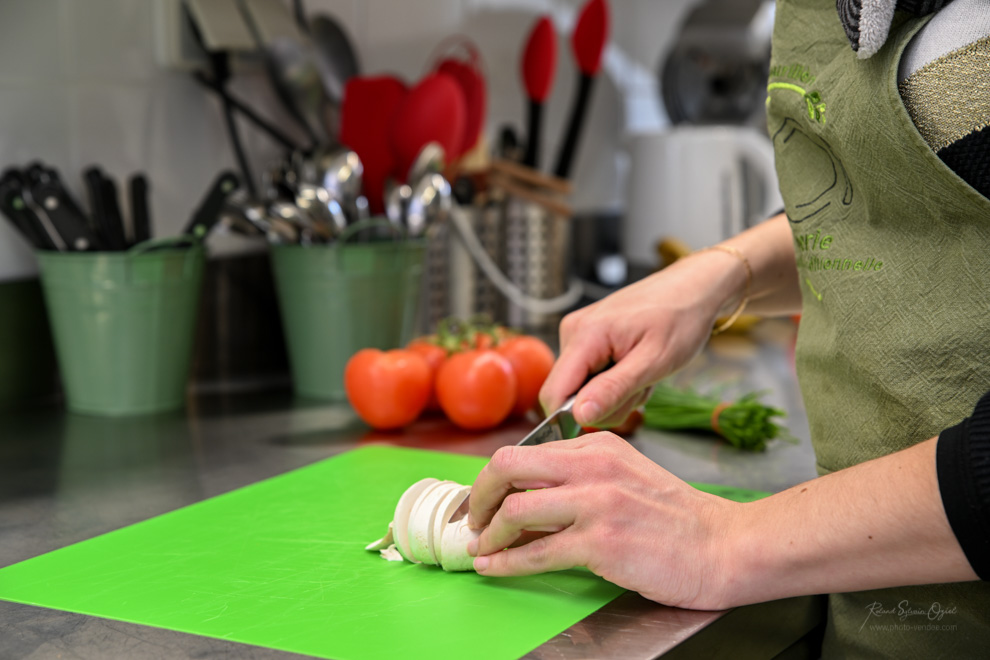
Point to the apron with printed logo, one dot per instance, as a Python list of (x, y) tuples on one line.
[(893, 253)]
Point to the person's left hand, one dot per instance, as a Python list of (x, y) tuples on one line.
[(601, 504)]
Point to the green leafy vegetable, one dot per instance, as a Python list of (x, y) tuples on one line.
[(745, 423)]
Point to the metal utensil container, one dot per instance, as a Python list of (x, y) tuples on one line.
[(526, 243), (537, 260)]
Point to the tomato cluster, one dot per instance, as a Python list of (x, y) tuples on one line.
[(478, 376)]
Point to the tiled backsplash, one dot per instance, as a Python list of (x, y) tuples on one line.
[(80, 84)]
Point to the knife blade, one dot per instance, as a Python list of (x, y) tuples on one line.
[(559, 425)]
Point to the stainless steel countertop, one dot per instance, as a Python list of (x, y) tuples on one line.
[(65, 478)]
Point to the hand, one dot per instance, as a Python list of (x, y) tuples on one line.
[(600, 504), (649, 329)]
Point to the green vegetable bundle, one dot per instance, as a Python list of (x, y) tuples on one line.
[(745, 423)]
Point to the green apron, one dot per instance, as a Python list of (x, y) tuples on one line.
[(893, 254)]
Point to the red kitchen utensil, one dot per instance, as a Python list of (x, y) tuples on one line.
[(433, 111), (539, 63), (366, 116), (468, 72), (587, 43)]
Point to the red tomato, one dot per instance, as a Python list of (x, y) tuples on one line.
[(387, 389), (476, 389), (531, 361), (435, 356)]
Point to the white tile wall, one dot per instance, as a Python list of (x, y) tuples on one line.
[(79, 84)]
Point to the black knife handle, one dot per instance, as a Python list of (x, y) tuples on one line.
[(140, 217), (93, 179), (208, 212), (64, 214), (116, 232), (13, 206)]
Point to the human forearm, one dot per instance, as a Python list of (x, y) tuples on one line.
[(769, 248), (878, 524)]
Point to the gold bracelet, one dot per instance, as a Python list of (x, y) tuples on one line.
[(749, 281)]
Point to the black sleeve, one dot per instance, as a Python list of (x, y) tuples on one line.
[(962, 459)]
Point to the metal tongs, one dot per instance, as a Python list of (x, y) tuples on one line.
[(559, 425)]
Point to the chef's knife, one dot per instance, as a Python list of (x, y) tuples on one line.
[(140, 217), (53, 201), (559, 425), (208, 212)]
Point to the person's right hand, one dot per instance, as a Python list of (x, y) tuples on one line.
[(648, 329)]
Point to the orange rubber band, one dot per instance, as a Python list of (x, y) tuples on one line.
[(715, 413)]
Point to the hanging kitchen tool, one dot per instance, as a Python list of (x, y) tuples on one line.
[(299, 13), (587, 43), (246, 111), (218, 56), (335, 56), (539, 63), (293, 69), (461, 60)]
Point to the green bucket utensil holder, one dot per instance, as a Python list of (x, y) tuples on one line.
[(123, 324), (338, 299)]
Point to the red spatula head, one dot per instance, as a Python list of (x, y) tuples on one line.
[(367, 113), (433, 111), (590, 35), (539, 60)]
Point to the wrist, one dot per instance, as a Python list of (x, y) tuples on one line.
[(728, 278), (747, 572), (725, 583)]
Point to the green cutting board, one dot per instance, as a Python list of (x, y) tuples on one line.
[(282, 564)]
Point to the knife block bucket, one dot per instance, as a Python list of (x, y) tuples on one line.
[(123, 325), (338, 299)]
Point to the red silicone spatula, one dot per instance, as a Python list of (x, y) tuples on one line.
[(366, 115), (433, 111), (539, 63), (588, 43)]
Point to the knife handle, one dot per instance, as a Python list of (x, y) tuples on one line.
[(114, 219), (140, 218), (13, 206), (107, 220), (208, 212), (64, 214)]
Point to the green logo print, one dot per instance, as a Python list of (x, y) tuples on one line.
[(813, 99), (801, 74)]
